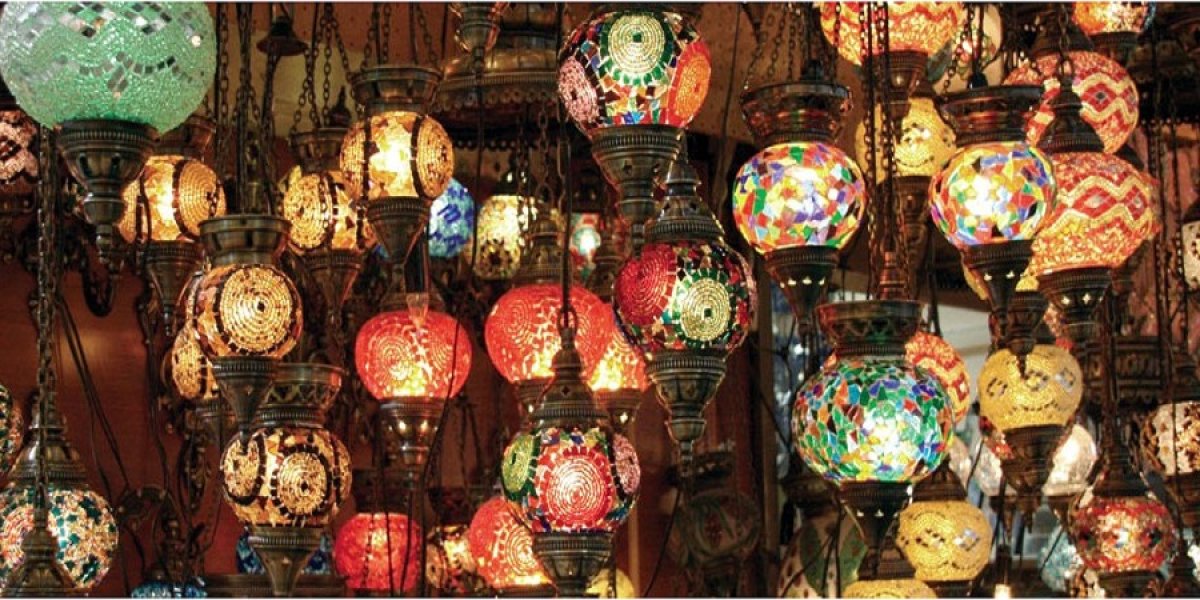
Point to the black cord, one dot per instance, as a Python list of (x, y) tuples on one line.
[(662, 551)]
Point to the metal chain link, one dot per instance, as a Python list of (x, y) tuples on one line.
[(310, 58), (48, 267), (775, 44), (889, 134), (327, 57), (544, 189), (958, 55), (426, 38), (1065, 67), (372, 46), (760, 43), (221, 92), (874, 208), (386, 37)]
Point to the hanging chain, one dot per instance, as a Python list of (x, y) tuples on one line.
[(431, 53), (776, 43), (760, 43), (1065, 68), (306, 89), (385, 37), (958, 55), (889, 134), (545, 190), (221, 90), (872, 137), (372, 46), (791, 44), (327, 33)]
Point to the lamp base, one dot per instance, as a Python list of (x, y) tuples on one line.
[(1077, 294), (874, 506), (170, 266), (104, 156), (633, 158), (1001, 266), (904, 70), (802, 273), (218, 420), (1133, 584), (1027, 469), (572, 559), (244, 381), (398, 221), (410, 426), (951, 589), (1186, 491), (1025, 312), (284, 552), (686, 382), (622, 407), (335, 272)]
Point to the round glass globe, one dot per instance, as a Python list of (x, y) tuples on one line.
[(379, 552), (923, 147), (945, 541), (988, 473), (247, 310), (1110, 98), (143, 62), (633, 67), (503, 548), (1072, 464), (934, 354), (1174, 425), (685, 295), (180, 193), (503, 222), (286, 476), (1112, 17), (922, 27), (191, 371), (451, 221), (889, 588), (522, 333), (1059, 560), (448, 560), (620, 368), (411, 157), (992, 193), (571, 480), (1122, 534), (1103, 212), (872, 419), (1048, 394), (960, 459), (799, 194), (82, 523), (323, 216), (399, 355)]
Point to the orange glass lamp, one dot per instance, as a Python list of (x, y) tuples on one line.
[(379, 553), (502, 547), (286, 478), (412, 363), (934, 354), (397, 159), (619, 381), (1113, 25), (632, 80), (164, 207), (247, 312)]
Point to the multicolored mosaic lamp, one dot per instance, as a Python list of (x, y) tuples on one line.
[(800, 199), (1113, 25), (1170, 440), (504, 221), (398, 158), (287, 477), (934, 354), (632, 80), (502, 547), (412, 361), (685, 300), (121, 72), (165, 205), (993, 195)]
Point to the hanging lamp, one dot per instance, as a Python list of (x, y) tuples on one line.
[(946, 539)]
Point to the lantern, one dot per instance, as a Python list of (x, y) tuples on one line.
[(632, 80), (323, 216), (1110, 98), (522, 336), (918, 27), (1126, 534), (503, 548), (180, 192), (449, 565), (936, 356), (585, 240), (504, 219), (379, 552), (619, 380), (945, 541), (924, 143), (19, 163), (321, 562), (889, 588), (12, 429), (191, 371), (1059, 560), (1047, 394), (122, 71), (1072, 468), (1098, 18), (81, 521), (1170, 439), (451, 221)]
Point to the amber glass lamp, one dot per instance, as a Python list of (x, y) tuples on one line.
[(19, 163), (1113, 25), (1170, 440), (502, 547), (619, 381), (946, 539), (504, 220)]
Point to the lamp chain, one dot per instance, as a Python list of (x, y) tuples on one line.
[(871, 88), (306, 88)]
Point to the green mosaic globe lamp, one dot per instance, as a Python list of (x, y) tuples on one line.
[(111, 76)]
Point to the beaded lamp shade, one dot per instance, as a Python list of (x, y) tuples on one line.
[(247, 310), (634, 67), (685, 295), (1047, 394), (18, 148), (945, 540), (888, 588), (191, 371), (1112, 17), (12, 429), (1103, 213), (799, 194), (1174, 425), (180, 193), (522, 333), (323, 215), (286, 476), (1073, 463), (379, 552), (1059, 560), (620, 368), (872, 419), (921, 27), (451, 221), (320, 563), (1122, 534), (448, 560), (1110, 98), (503, 221), (503, 548), (936, 355), (81, 521), (147, 63), (923, 147), (992, 193), (572, 480), (399, 355), (411, 157)]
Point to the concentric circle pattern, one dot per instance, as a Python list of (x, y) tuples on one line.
[(379, 552), (247, 310), (522, 332), (411, 156), (503, 548), (286, 476), (401, 356), (179, 194), (921, 26)]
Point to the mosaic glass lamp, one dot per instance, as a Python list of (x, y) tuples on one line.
[(1071, 470), (451, 221), (19, 163), (503, 549), (449, 564), (112, 76), (619, 381), (633, 79), (12, 429), (81, 521), (379, 553), (1060, 562), (947, 540), (934, 354), (504, 220), (1170, 440)]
